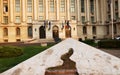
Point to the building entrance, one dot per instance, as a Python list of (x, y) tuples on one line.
[(67, 31), (42, 32), (55, 32)]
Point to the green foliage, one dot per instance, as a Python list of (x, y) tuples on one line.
[(109, 44), (90, 42), (10, 51), (29, 51)]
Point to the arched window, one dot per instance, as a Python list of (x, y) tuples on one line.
[(94, 30), (17, 31), (84, 30), (5, 32)]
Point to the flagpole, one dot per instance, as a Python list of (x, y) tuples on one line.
[(112, 19)]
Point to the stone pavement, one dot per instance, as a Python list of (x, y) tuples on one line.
[(115, 52)]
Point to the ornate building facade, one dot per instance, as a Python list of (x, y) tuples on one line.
[(47, 19)]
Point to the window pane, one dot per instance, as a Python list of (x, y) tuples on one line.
[(17, 19), (40, 5), (29, 19), (83, 19), (17, 5), (62, 7), (52, 5), (82, 6), (40, 17), (92, 19), (5, 19), (29, 5), (72, 6), (92, 6)]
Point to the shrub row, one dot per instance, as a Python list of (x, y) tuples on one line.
[(10, 51), (89, 42), (109, 44)]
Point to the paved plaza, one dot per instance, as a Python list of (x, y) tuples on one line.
[(115, 52)]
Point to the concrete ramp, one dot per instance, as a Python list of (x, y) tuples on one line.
[(89, 60)]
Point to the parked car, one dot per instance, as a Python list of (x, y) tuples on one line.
[(117, 38)]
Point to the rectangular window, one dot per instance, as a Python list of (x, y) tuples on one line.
[(72, 17), (62, 6), (17, 19), (29, 6), (62, 17), (82, 6), (92, 19), (109, 17), (40, 5), (5, 19), (72, 6), (116, 15), (83, 19), (116, 5), (29, 19), (40, 17), (17, 5), (51, 5), (92, 6)]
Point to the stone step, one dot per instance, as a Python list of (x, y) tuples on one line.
[(39, 40)]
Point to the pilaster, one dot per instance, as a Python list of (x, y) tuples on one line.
[(35, 9), (97, 11), (23, 10), (78, 10), (68, 10), (119, 7), (11, 4), (88, 11), (57, 4), (46, 9)]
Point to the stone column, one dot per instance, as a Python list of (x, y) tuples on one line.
[(1, 7), (57, 10), (11, 11), (68, 10), (35, 8), (119, 7), (46, 9), (23, 10), (88, 10), (78, 10), (102, 11), (97, 10)]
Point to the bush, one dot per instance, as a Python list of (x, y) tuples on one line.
[(109, 44), (10, 51), (90, 42)]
